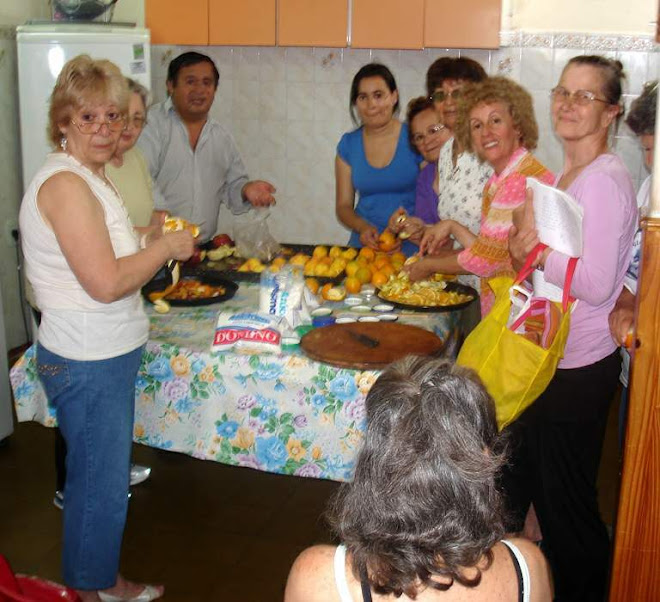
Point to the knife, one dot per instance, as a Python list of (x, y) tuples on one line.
[(367, 341)]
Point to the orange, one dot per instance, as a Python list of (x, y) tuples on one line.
[(367, 253), (350, 253), (363, 274), (312, 285), (335, 252), (320, 252), (352, 267), (326, 261), (321, 269), (381, 262), (378, 279), (386, 241), (352, 285), (388, 270), (398, 257), (299, 259), (332, 293)]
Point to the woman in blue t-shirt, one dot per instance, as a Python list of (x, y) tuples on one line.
[(375, 160)]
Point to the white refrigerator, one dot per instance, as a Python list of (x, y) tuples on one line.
[(43, 49)]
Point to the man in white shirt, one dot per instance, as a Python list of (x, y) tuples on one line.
[(192, 158)]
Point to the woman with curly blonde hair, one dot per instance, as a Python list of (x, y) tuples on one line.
[(496, 121)]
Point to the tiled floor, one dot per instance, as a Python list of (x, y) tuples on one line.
[(209, 532)]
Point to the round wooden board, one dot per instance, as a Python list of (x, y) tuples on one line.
[(345, 345)]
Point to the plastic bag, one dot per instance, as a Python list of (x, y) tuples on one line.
[(252, 236), (282, 294)]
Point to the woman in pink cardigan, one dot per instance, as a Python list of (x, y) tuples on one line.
[(557, 441)]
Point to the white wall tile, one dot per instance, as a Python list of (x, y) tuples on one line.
[(635, 65), (328, 65), (272, 100), (653, 70), (352, 60), (536, 68), (299, 64), (273, 139), (631, 154), (245, 99), (272, 64), (506, 62), (223, 57), (331, 101), (245, 63), (300, 101), (413, 65), (300, 141)]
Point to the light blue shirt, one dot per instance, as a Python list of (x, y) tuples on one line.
[(193, 182)]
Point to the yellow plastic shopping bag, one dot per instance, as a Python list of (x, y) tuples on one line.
[(514, 370)]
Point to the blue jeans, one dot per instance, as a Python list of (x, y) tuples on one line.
[(95, 404)]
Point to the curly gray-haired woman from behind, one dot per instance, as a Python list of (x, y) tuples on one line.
[(422, 519)]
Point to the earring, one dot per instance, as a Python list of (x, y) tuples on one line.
[(63, 142)]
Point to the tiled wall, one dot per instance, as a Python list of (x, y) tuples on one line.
[(288, 107)]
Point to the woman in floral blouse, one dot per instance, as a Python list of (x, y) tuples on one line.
[(497, 121)]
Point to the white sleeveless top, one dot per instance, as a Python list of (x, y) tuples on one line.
[(341, 582), (73, 324)]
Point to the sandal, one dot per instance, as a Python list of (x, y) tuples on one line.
[(150, 592)]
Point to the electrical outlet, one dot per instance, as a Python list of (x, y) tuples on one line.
[(10, 226)]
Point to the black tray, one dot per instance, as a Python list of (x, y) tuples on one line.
[(452, 287), (204, 277)]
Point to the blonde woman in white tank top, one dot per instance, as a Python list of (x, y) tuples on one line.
[(423, 518), (85, 263)]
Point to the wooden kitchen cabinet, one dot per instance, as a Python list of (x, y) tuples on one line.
[(312, 23), (177, 22), (242, 22), (388, 24), (464, 24)]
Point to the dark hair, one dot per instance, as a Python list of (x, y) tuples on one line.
[(612, 72), (641, 117), (424, 501), (415, 107), (371, 70), (498, 89), (186, 60), (453, 68)]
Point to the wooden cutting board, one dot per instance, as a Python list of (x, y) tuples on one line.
[(368, 345)]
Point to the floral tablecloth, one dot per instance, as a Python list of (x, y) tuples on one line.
[(280, 413)]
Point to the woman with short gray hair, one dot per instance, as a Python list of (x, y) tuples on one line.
[(423, 518)]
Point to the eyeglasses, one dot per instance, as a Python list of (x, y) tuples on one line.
[(579, 97), (137, 122), (441, 95), (432, 131), (115, 123)]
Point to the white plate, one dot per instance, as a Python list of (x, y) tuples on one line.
[(386, 307), (388, 317), (369, 319), (353, 300), (321, 311), (345, 320), (363, 309)]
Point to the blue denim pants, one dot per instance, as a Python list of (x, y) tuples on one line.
[(95, 403)]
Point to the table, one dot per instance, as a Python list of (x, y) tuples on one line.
[(279, 413)]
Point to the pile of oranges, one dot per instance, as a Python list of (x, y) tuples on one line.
[(367, 267)]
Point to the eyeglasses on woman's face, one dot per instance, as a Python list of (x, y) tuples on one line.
[(88, 124), (430, 132), (581, 98), (441, 95)]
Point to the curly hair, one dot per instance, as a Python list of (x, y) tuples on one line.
[(641, 117), (424, 501), (84, 81), (415, 107), (449, 67), (498, 89)]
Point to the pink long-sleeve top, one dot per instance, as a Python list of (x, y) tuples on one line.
[(489, 256), (605, 191)]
